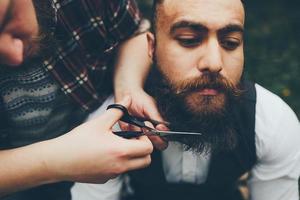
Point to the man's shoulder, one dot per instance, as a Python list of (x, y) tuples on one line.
[(270, 105), (275, 122), (277, 139), (270, 112), (265, 94)]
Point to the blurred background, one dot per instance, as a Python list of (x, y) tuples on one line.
[(272, 46)]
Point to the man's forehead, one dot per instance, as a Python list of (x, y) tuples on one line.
[(210, 13)]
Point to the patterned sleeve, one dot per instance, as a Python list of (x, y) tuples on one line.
[(87, 33), (122, 18), (96, 24)]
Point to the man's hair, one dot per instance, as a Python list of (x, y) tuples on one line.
[(156, 3), (154, 13)]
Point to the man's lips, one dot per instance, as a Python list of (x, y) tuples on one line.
[(208, 92)]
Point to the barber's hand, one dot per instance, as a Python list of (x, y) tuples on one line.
[(92, 153), (144, 105)]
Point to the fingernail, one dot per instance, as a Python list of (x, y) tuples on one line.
[(18, 44), (162, 127)]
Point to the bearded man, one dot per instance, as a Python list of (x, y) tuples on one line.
[(197, 81)]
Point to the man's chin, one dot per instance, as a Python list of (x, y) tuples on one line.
[(200, 105)]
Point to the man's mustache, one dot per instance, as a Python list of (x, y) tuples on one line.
[(208, 80)]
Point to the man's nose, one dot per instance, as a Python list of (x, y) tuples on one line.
[(11, 50), (211, 58)]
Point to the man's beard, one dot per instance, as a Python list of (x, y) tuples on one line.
[(188, 110)]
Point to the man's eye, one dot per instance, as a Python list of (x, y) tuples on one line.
[(230, 44), (189, 42)]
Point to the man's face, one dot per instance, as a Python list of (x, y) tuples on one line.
[(198, 43), (18, 30)]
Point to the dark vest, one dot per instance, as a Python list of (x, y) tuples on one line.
[(224, 171)]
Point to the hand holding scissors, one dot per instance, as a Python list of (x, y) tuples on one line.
[(140, 122)]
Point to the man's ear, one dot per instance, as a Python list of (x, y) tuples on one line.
[(151, 44)]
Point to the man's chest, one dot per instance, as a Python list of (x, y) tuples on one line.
[(184, 166)]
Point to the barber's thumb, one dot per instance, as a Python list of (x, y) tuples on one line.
[(111, 116)]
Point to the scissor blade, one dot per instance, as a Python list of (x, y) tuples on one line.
[(169, 133)]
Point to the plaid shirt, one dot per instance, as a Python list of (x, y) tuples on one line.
[(88, 32)]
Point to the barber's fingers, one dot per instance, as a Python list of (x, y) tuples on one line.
[(111, 116), (138, 163), (152, 113), (128, 127), (11, 50), (158, 142), (124, 126), (139, 147)]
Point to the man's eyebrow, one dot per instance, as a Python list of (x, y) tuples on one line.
[(231, 28), (198, 27), (7, 16)]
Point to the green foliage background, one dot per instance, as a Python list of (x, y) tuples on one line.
[(272, 46)]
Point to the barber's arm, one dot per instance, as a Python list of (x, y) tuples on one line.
[(89, 153), (131, 70), (132, 61)]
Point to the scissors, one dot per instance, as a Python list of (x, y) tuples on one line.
[(140, 122)]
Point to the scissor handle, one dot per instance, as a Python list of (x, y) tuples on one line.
[(126, 116), (128, 134)]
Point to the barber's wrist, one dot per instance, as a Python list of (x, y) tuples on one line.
[(127, 91), (50, 159), (128, 82)]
